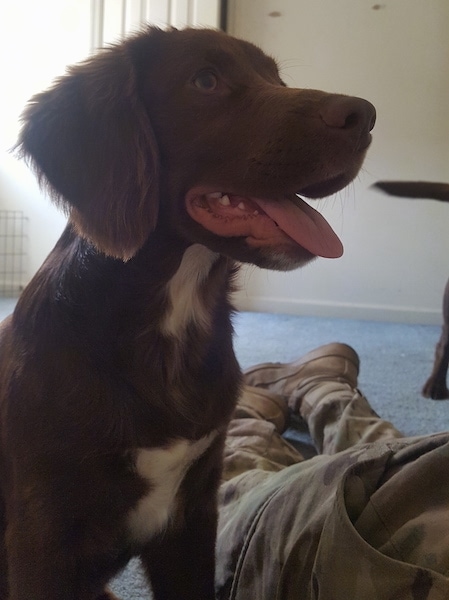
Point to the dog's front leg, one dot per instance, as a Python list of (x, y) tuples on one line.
[(38, 567), (180, 562), (436, 386), (182, 566)]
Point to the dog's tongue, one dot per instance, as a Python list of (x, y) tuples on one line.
[(304, 225)]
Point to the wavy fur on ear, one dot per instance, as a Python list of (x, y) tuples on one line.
[(91, 143)]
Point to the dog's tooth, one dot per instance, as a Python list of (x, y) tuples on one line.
[(215, 195), (224, 200), (241, 206), (255, 213)]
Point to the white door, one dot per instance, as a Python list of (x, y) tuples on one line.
[(112, 19)]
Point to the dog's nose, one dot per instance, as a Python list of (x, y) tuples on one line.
[(346, 112)]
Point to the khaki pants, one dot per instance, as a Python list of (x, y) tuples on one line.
[(365, 519)]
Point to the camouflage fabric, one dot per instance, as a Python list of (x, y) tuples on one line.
[(368, 519)]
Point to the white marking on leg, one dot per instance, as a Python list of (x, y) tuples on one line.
[(164, 469)]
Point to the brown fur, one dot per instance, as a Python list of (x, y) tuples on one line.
[(121, 345), (436, 386)]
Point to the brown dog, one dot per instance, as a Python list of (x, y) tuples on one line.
[(174, 154), (436, 386)]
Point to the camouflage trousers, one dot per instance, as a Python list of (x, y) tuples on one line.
[(365, 519)]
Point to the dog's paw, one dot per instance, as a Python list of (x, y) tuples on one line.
[(435, 389)]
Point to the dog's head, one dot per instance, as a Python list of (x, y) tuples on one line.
[(195, 131)]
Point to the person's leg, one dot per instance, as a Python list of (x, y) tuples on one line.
[(277, 530), (254, 438), (322, 387)]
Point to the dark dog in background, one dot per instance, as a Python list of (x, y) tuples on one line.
[(436, 386), (175, 154)]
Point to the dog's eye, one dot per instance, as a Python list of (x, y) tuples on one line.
[(206, 81)]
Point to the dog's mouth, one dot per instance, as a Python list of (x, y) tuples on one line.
[(286, 221)]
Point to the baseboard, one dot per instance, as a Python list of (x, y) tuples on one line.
[(341, 310)]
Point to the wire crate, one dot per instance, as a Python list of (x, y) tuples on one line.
[(13, 240)]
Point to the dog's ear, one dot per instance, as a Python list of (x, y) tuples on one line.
[(90, 141)]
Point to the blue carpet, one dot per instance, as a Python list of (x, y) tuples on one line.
[(396, 360)]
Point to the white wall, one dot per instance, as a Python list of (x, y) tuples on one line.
[(395, 54)]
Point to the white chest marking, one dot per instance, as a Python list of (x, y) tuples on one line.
[(184, 291), (164, 469)]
